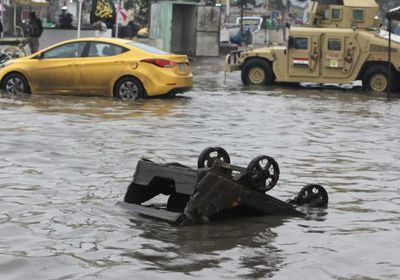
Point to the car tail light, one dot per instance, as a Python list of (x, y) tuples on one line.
[(160, 62)]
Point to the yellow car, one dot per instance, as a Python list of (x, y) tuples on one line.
[(98, 66)]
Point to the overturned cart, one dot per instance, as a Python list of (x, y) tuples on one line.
[(217, 189)]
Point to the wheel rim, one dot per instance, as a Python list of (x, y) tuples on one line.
[(256, 75), (378, 82), (128, 91), (15, 86)]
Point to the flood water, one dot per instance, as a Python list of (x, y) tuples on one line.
[(66, 161)]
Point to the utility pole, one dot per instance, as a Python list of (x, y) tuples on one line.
[(242, 2)]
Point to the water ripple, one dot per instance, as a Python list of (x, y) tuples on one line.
[(66, 161)]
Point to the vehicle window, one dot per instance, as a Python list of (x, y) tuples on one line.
[(336, 14), (147, 48), (301, 43), (104, 49), (326, 14), (334, 45), (358, 15), (69, 50), (332, 2)]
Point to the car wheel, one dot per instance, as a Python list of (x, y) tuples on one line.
[(128, 89), (257, 72), (15, 83), (376, 79)]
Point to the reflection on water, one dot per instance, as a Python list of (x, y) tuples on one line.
[(66, 161)]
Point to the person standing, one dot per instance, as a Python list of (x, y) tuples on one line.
[(65, 19), (35, 30)]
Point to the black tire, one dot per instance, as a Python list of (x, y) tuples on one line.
[(129, 89), (376, 79), (313, 195), (15, 83), (211, 154), (263, 173), (257, 71)]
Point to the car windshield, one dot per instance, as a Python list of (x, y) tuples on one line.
[(147, 48)]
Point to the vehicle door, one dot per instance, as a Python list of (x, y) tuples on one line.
[(304, 55), (57, 69), (99, 67), (339, 55)]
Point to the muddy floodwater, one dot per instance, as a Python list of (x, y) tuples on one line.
[(66, 161)]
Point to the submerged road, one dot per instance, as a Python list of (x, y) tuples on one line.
[(66, 161)]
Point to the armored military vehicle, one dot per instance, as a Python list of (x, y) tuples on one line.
[(341, 43)]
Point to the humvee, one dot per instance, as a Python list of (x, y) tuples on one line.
[(342, 42)]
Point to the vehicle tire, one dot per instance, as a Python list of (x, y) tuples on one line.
[(129, 89), (257, 71), (15, 83), (376, 79)]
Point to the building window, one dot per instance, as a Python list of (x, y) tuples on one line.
[(301, 43), (334, 45), (358, 15)]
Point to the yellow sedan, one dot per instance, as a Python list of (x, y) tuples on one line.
[(98, 66)]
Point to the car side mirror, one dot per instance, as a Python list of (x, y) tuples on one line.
[(40, 56)]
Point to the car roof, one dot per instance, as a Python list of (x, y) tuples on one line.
[(100, 39)]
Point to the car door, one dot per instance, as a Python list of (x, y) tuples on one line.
[(339, 55), (304, 56), (57, 69), (102, 63)]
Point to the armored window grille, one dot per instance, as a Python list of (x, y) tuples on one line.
[(336, 14), (301, 43), (358, 15), (334, 45)]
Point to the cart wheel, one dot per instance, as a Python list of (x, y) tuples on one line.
[(313, 195), (211, 154), (263, 173)]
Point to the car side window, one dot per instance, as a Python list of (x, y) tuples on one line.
[(301, 43), (102, 49), (69, 50)]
